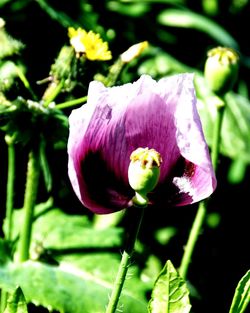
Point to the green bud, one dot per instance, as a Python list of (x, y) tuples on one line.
[(143, 173), (221, 69)]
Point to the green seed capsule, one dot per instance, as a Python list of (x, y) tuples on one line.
[(221, 69)]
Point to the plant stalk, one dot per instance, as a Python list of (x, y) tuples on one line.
[(215, 150), (32, 182), (10, 189), (202, 208), (71, 103), (135, 216), (9, 204)]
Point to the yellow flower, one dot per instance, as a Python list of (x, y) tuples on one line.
[(89, 43)]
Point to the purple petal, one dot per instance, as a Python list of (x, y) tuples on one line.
[(115, 121), (194, 180)]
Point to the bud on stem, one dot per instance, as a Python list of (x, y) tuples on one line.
[(221, 69), (143, 173)]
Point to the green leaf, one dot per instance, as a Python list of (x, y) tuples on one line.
[(16, 302), (188, 19), (132, 9), (49, 231), (84, 261), (67, 288), (242, 295), (170, 293), (79, 234)]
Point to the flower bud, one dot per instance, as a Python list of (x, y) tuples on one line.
[(2, 22), (143, 173), (133, 51), (221, 69)]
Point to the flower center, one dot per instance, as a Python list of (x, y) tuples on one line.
[(224, 55), (144, 173), (147, 157)]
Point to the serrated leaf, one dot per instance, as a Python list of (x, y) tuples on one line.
[(66, 288), (188, 19), (16, 302), (170, 293), (241, 297)]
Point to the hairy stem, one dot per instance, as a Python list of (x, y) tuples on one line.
[(135, 216), (32, 182), (10, 189)]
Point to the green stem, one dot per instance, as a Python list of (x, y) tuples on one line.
[(10, 188), (32, 182), (192, 239), (25, 82), (135, 216), (9, 203), (202, 208), (52, 92), (114, 72), (217, 136), (71, 103)]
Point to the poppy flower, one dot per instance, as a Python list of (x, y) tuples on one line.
[(115, 121)]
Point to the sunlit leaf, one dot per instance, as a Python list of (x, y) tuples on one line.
[(189, 19), (135, 9), (67, 288), (170, 293), (241, 297)]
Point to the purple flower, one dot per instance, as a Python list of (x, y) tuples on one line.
[(117, 120)]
